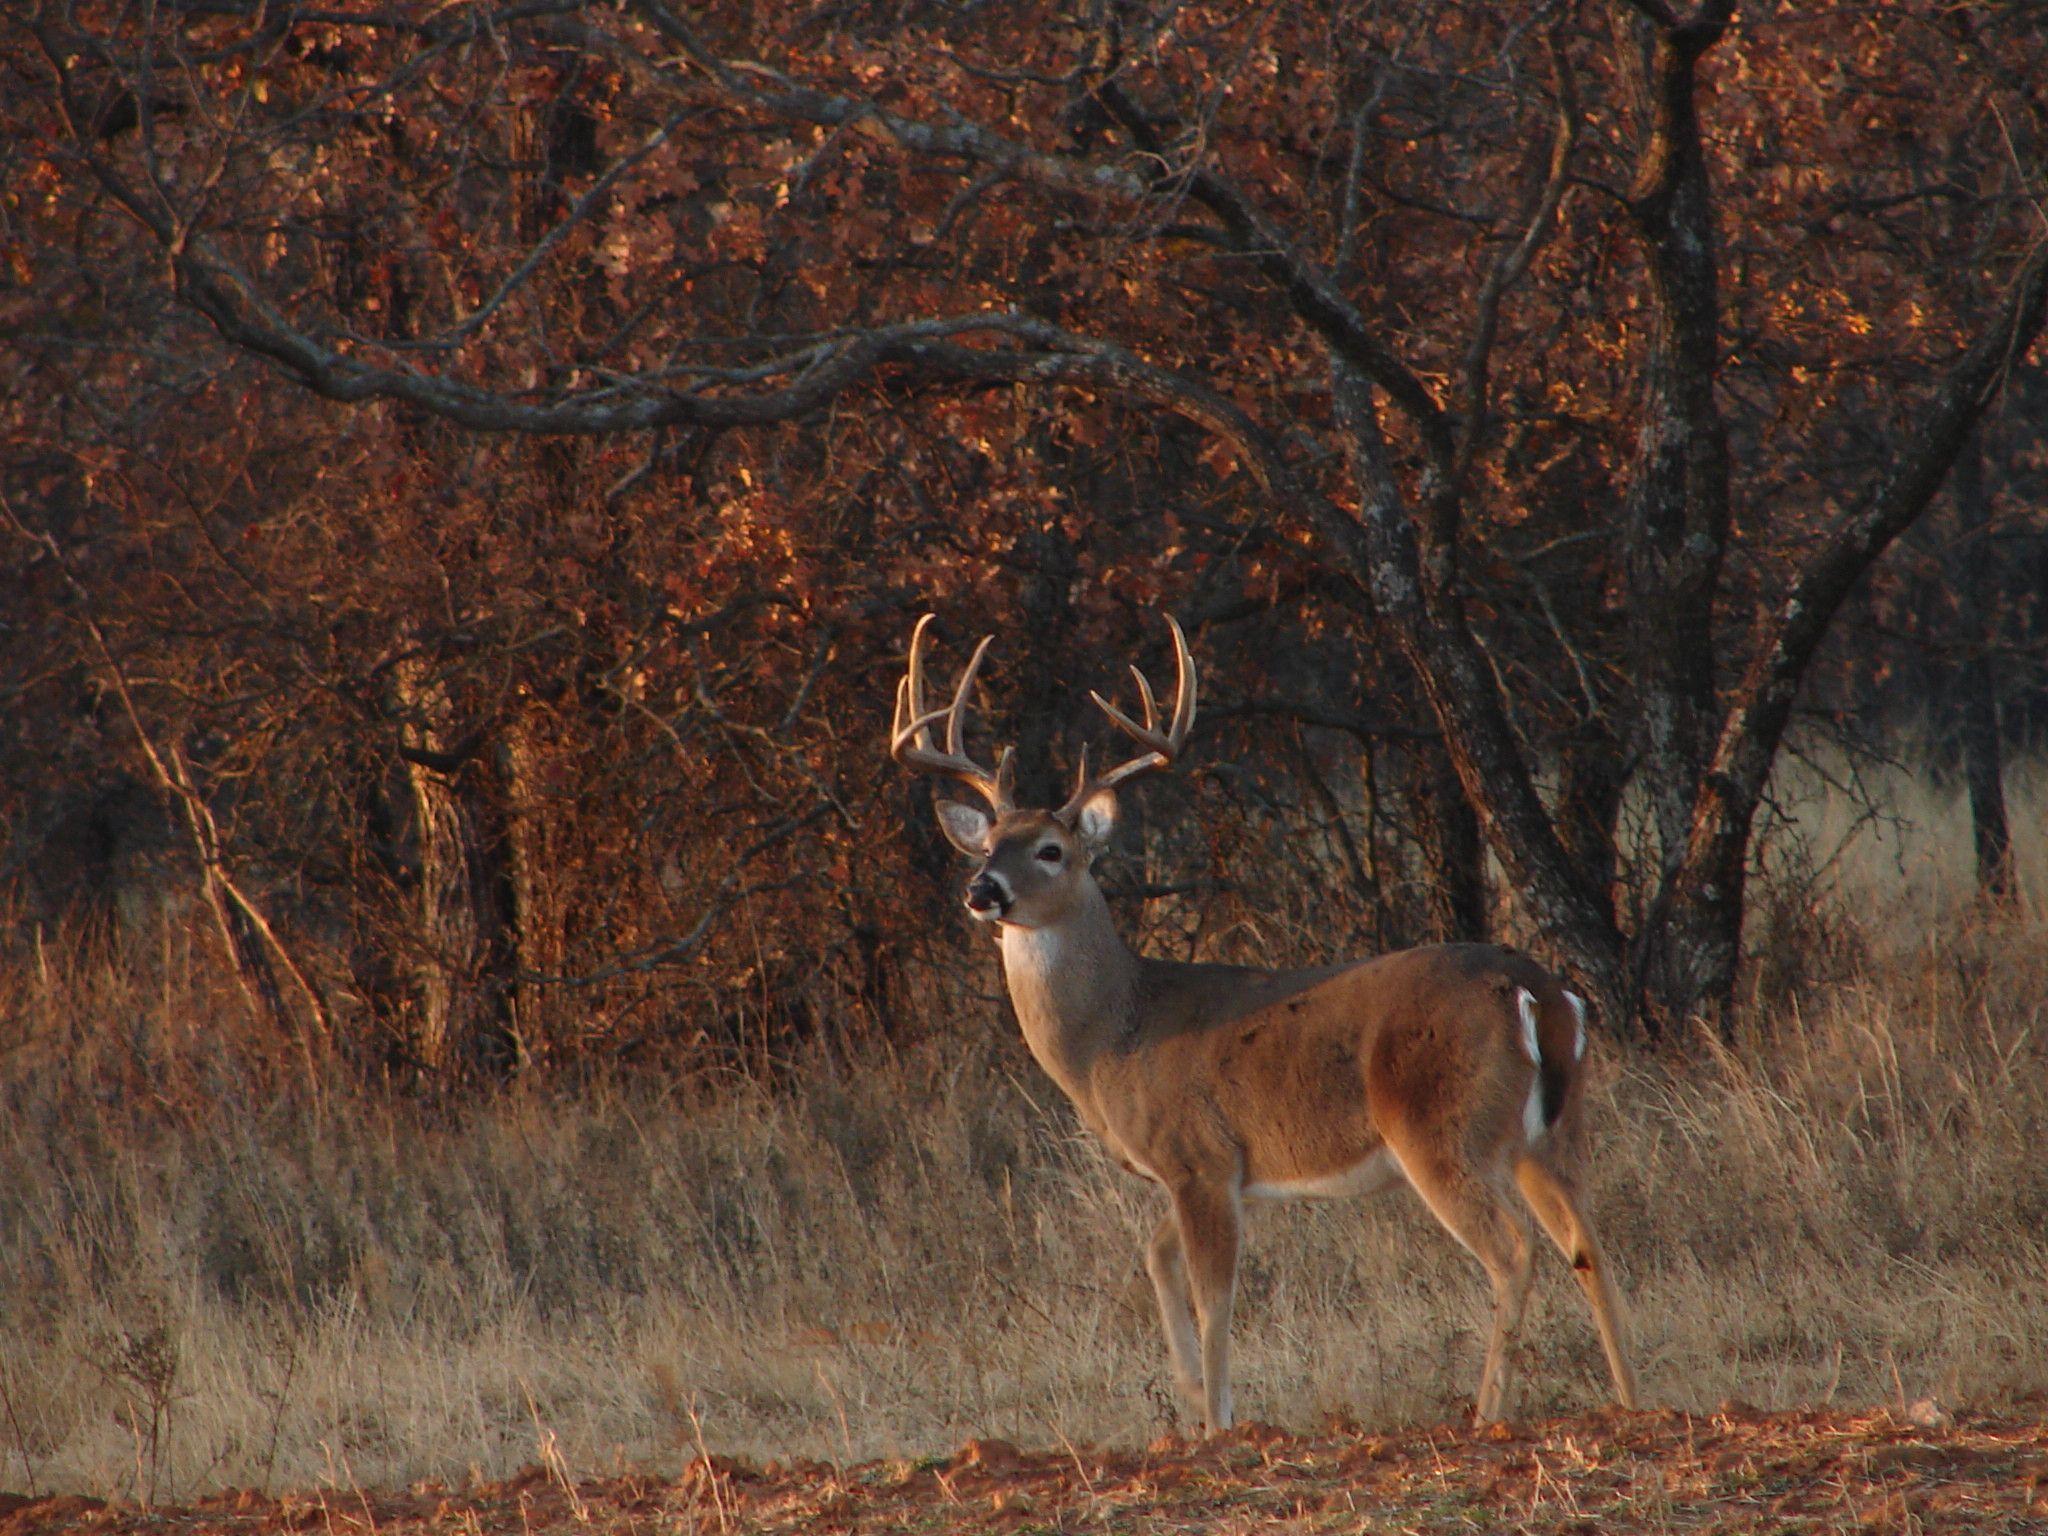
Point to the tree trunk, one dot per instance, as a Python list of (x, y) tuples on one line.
[(1050, 556), (1977, 684), (1676, 512), (1984, 767), (1684, 958), (462, 1017), (1420, 604), (534, 915), (244, 951), (1590, 781), (1453, 853)]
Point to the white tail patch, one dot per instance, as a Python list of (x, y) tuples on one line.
[(1579, 1017), (1532, 1112), (1525, 1003)]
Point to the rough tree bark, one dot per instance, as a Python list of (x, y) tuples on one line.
[(1590, 785), (534, 916), (463, 1017), (1675, 517)]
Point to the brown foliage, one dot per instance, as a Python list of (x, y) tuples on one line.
[(1735, 1470), (503, 448)]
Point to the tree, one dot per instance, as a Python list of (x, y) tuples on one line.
[(1585, 357)]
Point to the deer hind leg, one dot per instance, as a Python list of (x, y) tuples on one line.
[(1167, 1264), (1487, 1222), (1208, 1221), (1557, 1208)]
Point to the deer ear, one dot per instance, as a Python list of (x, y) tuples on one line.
[(1095, 819), (966, 828)]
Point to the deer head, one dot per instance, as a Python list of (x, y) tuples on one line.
[(1032, 865)]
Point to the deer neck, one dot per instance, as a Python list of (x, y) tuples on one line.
[(1074, 985)]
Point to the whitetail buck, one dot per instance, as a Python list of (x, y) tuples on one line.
[(1455, 1067)]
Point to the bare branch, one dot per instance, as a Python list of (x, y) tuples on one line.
[(1311, 292), (772, 92), (1756, 722), (1510, 265), (592, 200), (251, 943)]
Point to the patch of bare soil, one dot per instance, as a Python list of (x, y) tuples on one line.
[(1736, 1470)]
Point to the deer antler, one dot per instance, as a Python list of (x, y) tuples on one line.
[(1160, 750), (910, 737)]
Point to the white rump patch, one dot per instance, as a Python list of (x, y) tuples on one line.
[(1525, 1003), (1578, 1013)]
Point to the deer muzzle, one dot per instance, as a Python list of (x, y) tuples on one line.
[(988, 897)]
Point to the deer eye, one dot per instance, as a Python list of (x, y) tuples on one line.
[(1048, 853)]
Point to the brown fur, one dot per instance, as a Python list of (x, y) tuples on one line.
[(1216, 1080), (1222, 1082)]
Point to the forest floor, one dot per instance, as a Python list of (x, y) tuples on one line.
[(1736, 1470)]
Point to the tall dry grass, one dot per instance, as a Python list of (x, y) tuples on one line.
[(214, 1279)]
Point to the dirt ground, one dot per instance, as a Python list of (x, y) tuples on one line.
[(1736, 1470)]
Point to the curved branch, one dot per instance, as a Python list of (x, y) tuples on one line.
[(1311, 292), (764, 88), (1510, 265), (1756, 721)]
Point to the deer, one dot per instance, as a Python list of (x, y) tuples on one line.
[(1456, 1069)]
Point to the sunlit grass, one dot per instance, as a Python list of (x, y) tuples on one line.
[(218, 1277)]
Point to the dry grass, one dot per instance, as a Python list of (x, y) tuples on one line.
[(212, 1282)]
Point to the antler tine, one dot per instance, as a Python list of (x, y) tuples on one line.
[(911, 717), (1145, 696), (913, 675), (1184, 687), (1149, 731), (919, 723), (910, 739), (1160, 750), (955, 729)]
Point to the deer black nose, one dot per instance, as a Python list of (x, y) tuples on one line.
[(985, 893)]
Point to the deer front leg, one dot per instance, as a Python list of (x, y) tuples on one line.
[(1166, 1264), (1207, 1216)]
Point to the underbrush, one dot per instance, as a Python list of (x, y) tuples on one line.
[(221, 1274)]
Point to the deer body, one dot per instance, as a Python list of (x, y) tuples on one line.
[(1452, 1068), (1194, 1058)]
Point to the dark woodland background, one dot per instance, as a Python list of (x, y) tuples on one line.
[(470, 472)]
